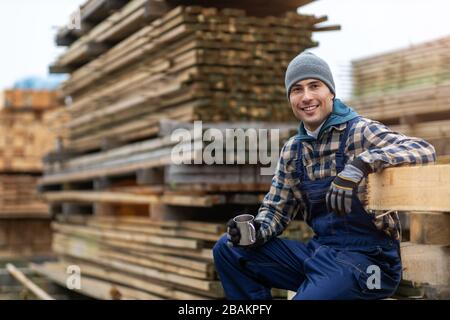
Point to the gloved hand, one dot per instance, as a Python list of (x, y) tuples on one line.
[(340, 195), (234, 235)]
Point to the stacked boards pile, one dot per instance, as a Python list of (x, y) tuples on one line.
[(421, 194), (138, 258), (24, 139), (138, 72), (408, 89)]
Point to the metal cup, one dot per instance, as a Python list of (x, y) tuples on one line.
[(244, 223)]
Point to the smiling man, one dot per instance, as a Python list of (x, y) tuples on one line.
[(320, 177)]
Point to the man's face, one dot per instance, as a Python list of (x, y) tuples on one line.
[(311, 101)]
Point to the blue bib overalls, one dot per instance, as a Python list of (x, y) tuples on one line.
[(348, 258)]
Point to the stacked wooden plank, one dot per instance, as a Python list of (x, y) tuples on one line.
[(137, 74), (120, 16), (25, 236), (152, 259), (418, 65), (19, 197), (422, 193), (193, 63), (31, 99), (408, 89), (24, 139)]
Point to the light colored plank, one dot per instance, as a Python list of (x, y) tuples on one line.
[(430, 228), (418, 188), (425, 263)]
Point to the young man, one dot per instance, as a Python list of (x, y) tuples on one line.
[(321, 176)]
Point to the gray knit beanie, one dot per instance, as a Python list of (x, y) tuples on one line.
[(308, 66)]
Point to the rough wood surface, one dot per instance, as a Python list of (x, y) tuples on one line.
[(417, 188), (424, 263)]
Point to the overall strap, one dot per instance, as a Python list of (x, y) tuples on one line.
[(340, 154), (300, 168)]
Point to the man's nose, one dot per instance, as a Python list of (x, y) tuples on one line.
[(307, 95)]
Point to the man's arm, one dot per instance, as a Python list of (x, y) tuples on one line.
[(386, 148), (376, 147), (281, 203)]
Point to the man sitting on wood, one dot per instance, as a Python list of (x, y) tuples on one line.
[(321, 176)]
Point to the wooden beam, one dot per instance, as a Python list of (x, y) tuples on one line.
[(430, 228), (94, 288), (121, 197), (418, 188), (423, 263), (19, 276)]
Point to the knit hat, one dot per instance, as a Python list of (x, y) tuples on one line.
[(308, 66)]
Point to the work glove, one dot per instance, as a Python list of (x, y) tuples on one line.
[(340, 195), (234, 235)]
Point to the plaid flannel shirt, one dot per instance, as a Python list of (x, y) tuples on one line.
[(371, 141)]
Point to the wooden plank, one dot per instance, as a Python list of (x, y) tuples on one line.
[(23, 279), (424, 263), (132, 246), (99, 196), (144, 261), (120, 197), (200, 226), (418, 188), (94, 288), (155, 230), (430, 228), (137, 282), (127, 236)]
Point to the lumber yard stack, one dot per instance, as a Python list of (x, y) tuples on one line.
[(139, 224), (408, 89), (24, 139), (420, 193)]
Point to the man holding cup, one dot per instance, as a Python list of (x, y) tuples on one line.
[(321, 176)]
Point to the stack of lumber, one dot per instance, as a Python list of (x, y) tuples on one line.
[(13, 285), (139, 71), (408, 89), (28, 99), (117, 18), (422, 193), (138, 258), (24, 139), (192, 63), (19, 197), (24, 236)]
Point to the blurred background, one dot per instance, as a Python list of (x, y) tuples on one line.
[(91, 91)]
